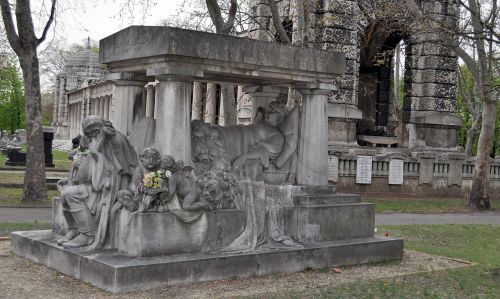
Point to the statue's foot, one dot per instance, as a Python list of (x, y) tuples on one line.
[(70, 235), (80, 241)]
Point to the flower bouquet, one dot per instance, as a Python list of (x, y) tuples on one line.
[(155, 182)]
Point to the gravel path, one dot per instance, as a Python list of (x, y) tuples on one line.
[(490, 217), (20, 278)]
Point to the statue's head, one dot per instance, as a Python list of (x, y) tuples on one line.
[(150, 158), (92, 125), (275, 114)]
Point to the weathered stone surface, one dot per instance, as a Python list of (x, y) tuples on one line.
[(152, 234), (337, 35), (138, 42), (336, 20), (328, 222), (435, 76), (118, 273), (351, 52), (347, 96), (435, 62), (340, 6), (433, 104), (432, 49), (433, 90)]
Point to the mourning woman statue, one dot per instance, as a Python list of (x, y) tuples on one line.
[(89, 201)]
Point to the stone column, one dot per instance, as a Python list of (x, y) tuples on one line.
[(173, 125), (227, 109), (211, 103), (106, 108), (101, 107), (197, 106), (126, 93), (150, 100), (312, 166)]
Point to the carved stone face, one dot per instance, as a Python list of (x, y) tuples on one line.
[(272, 118), (150, 158)]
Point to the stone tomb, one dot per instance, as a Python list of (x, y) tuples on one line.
[(281, 216)]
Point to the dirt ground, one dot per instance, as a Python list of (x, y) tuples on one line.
[(20, 278)]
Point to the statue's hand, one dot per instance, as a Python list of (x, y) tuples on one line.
[(238, 162), (61, 184)]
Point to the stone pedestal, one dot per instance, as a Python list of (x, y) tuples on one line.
[(430, 129), (342, 120), (173, 124)]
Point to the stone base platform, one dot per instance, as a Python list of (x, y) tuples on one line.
[(116, 272)]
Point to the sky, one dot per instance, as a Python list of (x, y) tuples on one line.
[(100, 18)]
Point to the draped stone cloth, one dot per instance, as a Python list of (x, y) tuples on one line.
[(265, 207)]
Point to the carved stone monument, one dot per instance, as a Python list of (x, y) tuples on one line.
[(205, 202)]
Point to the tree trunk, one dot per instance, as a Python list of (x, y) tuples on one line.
[(479, 197), (35, 186), (471, 136)]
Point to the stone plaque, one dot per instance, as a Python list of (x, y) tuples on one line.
[(396, 171), (333, 168), (364, 170)]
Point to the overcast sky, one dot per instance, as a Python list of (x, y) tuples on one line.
[(100, 18)]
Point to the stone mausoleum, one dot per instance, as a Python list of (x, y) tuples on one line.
[(413, 138)]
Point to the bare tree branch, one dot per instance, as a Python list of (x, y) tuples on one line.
[(9, 25), (48, 24), (277, 22)]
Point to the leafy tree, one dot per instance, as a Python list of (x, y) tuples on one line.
[(12, 110)]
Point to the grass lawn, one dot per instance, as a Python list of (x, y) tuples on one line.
[(7, 227), (421, 205), (12, 197), (60, 159), (477, 243)]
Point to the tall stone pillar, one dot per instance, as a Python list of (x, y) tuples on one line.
[(106, 108), (312, 166), (150, 100), (211, 104), (101, 107), (227, 108), (173, 125), (197, 106), (126, 94)]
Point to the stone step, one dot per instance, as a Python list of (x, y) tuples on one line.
[(338, 198), (330, 222), (312, 190), (116, 272)]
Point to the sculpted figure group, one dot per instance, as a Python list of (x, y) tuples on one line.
[(109, 177)]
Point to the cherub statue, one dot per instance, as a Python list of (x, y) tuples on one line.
[(147, 184), (183, 184)]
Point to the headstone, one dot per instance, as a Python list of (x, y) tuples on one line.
[(333, 168), (364, 170), (48, 136), (396, 171)]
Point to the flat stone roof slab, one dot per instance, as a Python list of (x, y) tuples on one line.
[(148, 47)]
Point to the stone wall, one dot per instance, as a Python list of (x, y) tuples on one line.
[(425, 174)]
